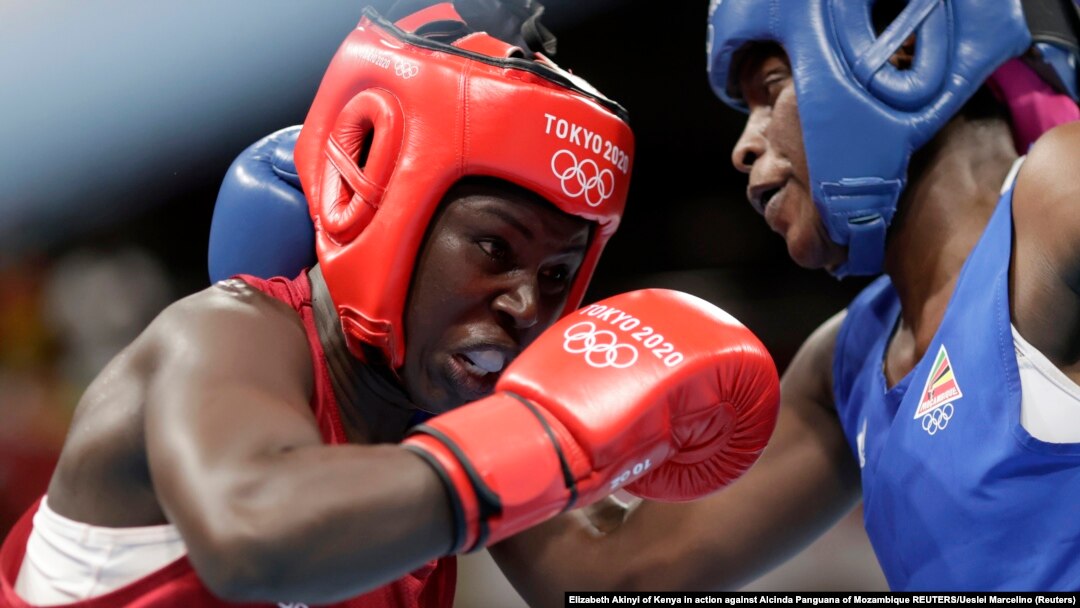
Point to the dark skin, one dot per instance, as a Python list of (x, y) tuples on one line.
[(807, 478), (204, 420)]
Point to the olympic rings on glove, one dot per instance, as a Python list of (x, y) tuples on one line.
[(601, 347)]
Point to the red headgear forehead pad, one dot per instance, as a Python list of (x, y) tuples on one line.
[(398, 119)]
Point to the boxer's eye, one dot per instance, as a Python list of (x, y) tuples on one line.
[(556, 279), (496, 249), (557, 274), (773, 84)]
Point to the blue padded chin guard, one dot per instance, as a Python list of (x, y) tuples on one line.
[(862, 117), (261, 224)]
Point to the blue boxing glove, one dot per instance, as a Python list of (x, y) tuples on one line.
[(261, 224)]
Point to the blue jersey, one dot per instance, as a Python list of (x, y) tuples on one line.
[(956, 494)]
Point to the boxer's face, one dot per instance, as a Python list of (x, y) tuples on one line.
[(770, 150), (494, 272)]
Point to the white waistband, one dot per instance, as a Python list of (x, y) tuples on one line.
[(68, 561)]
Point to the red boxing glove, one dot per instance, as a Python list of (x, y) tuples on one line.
[(654, 391)]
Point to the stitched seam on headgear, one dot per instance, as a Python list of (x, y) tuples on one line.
[(465, 118), (774, 17)]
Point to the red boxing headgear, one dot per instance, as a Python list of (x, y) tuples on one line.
[(429, 114)]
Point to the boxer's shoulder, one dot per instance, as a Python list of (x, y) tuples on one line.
[(1047, 184), (1048, 179), (1045, 278), (225, 333), (228, 329), (230, 310), (1046, 201), (231, 327)]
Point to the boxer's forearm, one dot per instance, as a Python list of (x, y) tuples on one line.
[(319, 524)]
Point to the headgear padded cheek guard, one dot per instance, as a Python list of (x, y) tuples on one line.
[(420, 115), (862, 118)]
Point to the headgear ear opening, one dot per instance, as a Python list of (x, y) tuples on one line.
[(868, 56), (361, 153)]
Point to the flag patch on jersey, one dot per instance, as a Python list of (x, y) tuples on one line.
[(941, 386)]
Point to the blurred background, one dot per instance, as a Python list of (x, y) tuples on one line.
[(118, 120)]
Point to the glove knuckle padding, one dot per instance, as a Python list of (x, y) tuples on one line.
[(706, 415), (351, 193), (716, 444)]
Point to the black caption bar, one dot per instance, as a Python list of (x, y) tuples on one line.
[(586, 598)]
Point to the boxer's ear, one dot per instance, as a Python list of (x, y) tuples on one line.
[(884, 12), (904, 56)]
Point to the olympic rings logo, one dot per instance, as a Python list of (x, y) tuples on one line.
[(582, 177), (601, 347), (405, 69), (937, 420)]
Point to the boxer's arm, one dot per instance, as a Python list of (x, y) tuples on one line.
[(266, 510), (805, 481)]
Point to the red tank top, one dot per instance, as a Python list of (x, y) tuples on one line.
[(177, 585)]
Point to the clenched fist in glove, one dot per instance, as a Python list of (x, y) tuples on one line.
[(654, 391)]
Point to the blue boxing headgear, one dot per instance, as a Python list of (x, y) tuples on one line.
[(862, 117)]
